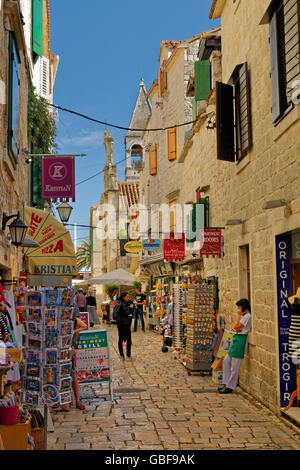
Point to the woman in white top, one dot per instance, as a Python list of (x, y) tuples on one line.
[(233, 360)]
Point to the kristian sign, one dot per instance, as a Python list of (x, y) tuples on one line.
[(58, 178)]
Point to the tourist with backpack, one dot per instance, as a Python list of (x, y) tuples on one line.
[(122, 314)]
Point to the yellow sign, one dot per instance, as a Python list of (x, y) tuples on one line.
[(55, 255), (133, 247)]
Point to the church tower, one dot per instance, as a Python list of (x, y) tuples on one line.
[(133, 138), (110, 170)]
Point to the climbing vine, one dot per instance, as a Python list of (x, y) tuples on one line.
[(41, 134)]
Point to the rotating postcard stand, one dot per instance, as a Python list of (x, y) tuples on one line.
[(92, 360), (47, 378)]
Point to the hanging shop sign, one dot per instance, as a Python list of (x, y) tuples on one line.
[(56, 254), (151, 244), (133, 247), (174, 248), (92, 357), (212, 243), (286, 367), (58, 178)]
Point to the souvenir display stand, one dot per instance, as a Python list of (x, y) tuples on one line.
[(179, 311), (201, 325), (47, 365), (158, 304)]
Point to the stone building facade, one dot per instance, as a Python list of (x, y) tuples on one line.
[(15, 77), (255, 196), (18, 70)]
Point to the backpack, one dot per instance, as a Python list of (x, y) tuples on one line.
[(115, 312)]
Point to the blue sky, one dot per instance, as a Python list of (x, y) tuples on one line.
[(105, 48)]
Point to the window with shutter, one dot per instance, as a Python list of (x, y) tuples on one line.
[(162, 82), (291, 11), (44, 78), (37, 28), (153, 160), (225, 122), (202, 79), (234, 137), (284, 30), (172, 144), (243, 139)]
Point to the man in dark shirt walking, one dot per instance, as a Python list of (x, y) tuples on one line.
[(140, 301)]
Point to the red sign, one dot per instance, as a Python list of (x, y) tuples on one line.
[(212, 243), (174, 248), (58, 178)]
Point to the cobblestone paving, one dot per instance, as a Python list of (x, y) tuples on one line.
[(155, 408)]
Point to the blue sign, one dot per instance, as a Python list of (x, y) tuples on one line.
[(287, 368), (151, 244)]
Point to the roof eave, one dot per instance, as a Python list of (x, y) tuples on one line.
[(216, 9)]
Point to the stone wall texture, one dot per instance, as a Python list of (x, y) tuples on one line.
[(270, 171)]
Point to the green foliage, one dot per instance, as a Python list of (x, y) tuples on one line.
[(41, 135), (132, 289), (84, 255), (109, 289)]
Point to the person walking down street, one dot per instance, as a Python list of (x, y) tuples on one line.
[(80, 300), (123, 315), (140, 301), (91, 306), (235, 356)]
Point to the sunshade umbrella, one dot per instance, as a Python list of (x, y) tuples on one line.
[(117, 277)]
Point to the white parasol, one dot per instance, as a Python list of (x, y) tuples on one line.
[(118, 277)]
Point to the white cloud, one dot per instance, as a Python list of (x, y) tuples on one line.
[(85, 138)]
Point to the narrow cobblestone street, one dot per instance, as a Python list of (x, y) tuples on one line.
[(155, 408)]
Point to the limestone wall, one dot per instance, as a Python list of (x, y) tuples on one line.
[(270, 171)]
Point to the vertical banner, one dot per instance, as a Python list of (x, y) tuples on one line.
[(174, 248), (92, 357), (286, 367), (58, 178), (211, 242)]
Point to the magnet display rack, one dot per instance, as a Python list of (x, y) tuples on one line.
[(179, 299), (200, 328)]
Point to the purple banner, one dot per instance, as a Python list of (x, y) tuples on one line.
[(58, 178)]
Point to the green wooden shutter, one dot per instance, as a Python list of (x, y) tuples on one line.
[(37, 27), (202, 80)]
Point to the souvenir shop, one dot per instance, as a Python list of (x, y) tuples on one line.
[(195, 325), (36, 329)]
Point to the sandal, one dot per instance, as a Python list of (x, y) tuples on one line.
[(80, 406), (66, 407)]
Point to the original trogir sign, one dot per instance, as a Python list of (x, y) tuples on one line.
[(287, 368), (151, 244), (58, 178), (55, 255)]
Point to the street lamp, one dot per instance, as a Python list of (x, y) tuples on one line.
[(17, 228), (64, 210)]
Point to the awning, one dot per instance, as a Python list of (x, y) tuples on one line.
[(55, 256), (118, 277)]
